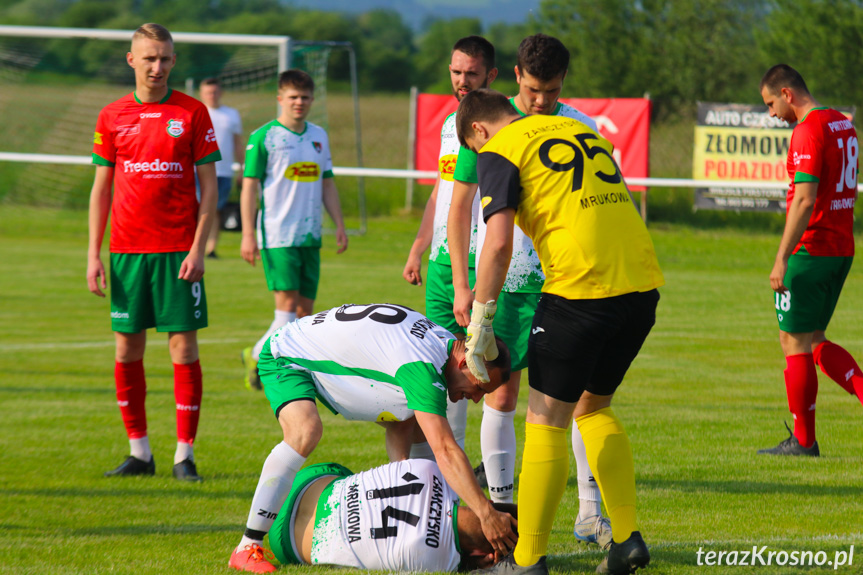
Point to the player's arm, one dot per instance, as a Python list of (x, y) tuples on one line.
[(192, 268), (248, 210), (497, 527), (413, 268), (496, 255), (334, 208), (796, 223), (100, 205), (458, 230)]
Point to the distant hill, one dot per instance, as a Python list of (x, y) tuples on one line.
[(417, 12)]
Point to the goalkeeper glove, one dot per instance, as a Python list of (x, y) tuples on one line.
[(479, 343)]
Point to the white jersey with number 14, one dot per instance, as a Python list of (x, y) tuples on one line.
[(397, 517)]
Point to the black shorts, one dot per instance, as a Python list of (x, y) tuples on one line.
[(578, 345)]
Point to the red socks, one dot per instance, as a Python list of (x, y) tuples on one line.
[(131, 393), (838, 365), (188, 388), (801, 385)]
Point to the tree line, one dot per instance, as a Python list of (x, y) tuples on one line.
[(677, 51)]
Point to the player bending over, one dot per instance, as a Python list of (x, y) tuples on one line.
[(378, 362)]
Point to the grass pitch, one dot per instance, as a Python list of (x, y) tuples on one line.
[(704, 394)]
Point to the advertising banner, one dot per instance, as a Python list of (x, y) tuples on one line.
[(740, 142), (625, 122)]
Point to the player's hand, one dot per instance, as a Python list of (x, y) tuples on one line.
[(249, 249), (461, 306), (341, 240), (499, 529), (96, 276), (479, 343), (413, 271), (777, 276), (192, 268)]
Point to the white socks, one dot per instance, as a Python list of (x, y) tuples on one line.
[(281, 318), (589, 496), (275, 483), (140, 448), (184, 452), (456, 415), (497, 441)]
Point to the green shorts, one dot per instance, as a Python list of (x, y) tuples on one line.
[(281, 384), (145, 293), (814, 284), (282, 539), (293, 269), (512, 324), (440, 294)]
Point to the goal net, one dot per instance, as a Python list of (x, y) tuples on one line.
[(53, 89)]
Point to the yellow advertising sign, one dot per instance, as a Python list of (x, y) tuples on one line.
[(728, 153)]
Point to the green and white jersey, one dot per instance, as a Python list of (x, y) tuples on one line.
[(525, 273), (449, 148), (291, 168), (371, 362), (400, 517)]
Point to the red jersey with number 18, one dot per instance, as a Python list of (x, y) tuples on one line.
[(824, 149), (154, 148)]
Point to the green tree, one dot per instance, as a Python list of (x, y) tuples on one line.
[(678, 51), (385, 55), (823, 39)]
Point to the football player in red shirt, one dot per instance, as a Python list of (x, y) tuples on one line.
[(816, 250), (146, 147)]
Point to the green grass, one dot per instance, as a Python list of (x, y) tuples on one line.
[(704, 394)]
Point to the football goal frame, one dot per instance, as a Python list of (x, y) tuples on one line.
[(284, 45)]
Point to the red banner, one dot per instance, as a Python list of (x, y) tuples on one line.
[(625, 122)]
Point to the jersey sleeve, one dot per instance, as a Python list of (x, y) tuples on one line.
[(256, 155), (807, 149), (206, 150), (465, 167), (424, 387), (328, 157), (104, 152), (499, 183)]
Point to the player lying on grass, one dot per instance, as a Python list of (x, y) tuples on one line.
[(402, 516), (377, 362)]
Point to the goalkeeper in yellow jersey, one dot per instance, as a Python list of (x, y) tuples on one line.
[(555, 177)]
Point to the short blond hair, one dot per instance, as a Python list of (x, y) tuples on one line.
[(153, 31)]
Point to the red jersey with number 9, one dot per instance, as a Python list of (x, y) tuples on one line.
[(824, 149), (154, 148)]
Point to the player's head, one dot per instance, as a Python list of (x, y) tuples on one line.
[(780, 87), (476, 551), (465, 385), (296, 94), (540, 69), (151, 56), (211, 92), (472, 65), (478, 114)]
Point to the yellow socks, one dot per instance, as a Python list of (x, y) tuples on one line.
[(544, 473), (610, 458)]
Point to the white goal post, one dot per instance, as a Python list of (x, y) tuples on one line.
[(284, 46)]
